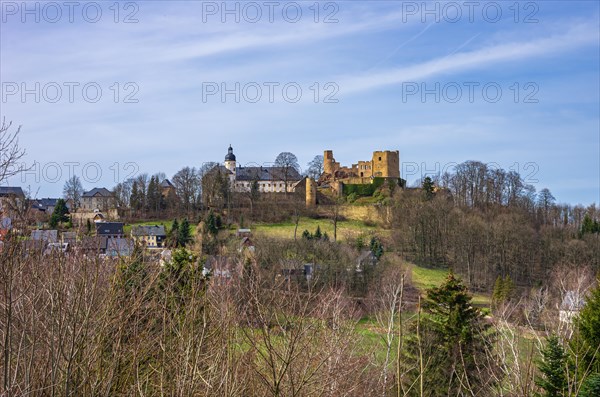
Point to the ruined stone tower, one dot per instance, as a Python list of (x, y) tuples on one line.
[(311, 192)]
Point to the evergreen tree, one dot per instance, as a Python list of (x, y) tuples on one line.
[(153, 194), (185, 235), (376, 247), (306, 235), (211, 223), (453, 339), (552, 366), (508, 288), (591, 386), (60, 213), (504, 289), (174, 234), (589, 226), (135, 201), (497, 293), (587, 335), (428, 188), (318, 234)]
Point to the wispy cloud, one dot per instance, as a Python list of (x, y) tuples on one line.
[(461, 61)]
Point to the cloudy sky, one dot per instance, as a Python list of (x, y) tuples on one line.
[(106, 91)]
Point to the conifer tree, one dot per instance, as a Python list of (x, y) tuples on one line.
[(306, 235), (174, 234), (185, 236), (552, 366), (587, 335), (453, 339), (428, 188), (318, 234), (60, 213), (376, 247)]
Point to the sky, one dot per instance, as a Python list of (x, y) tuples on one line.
[(106, 90)]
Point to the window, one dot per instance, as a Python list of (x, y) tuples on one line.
[(380, 159)]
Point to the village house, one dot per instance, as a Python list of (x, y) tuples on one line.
[(47, 204), (153, 236), (49, 236), (109, 229), (98, 199), (10, 195), (570, 306)]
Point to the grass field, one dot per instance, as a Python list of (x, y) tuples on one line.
[(424, 278), (346, 229)]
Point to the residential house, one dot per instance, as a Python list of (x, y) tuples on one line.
[(47, 204), (92, 246), (49, 236), (98, 199), (244, 233), (570, 306), (365, 260), (149, 236), (118, 247), (109, 229), (8, 194), (246, 244), (221, 269), (69, 238), (105, 246), (98, 217)]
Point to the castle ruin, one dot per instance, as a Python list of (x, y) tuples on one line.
[(383, 164)]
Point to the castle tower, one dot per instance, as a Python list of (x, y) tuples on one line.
[(329, 165), (230, 160), (311, 192)]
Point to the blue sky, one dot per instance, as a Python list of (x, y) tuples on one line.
[(442, 82)]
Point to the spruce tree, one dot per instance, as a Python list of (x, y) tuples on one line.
[(428, 188), (60, 213), (497, 294), (552, 366), (174, 234), (306, 235), (453, 339), (591, 386), (318, 234), (185, 236), (211, 223), (587, 332), (376, 247)]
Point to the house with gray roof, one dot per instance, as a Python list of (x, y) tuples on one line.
[(47, 204), (9, 193), (150, 236), (110, 229), (50, 236), (100, 199), (269, 179)]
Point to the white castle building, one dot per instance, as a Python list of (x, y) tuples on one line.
[(270, 179)]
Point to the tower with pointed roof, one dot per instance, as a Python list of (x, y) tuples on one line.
[(230, 160)]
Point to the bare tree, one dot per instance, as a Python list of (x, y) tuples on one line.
[(315, 168), (187, 184), (387, 301), (10, 152), (73, 191), (288, 163)]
